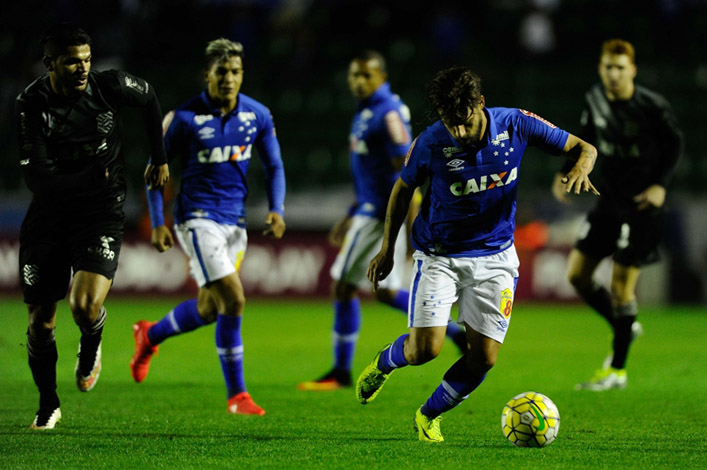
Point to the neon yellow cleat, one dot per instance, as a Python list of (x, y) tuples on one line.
[(605, 379), (427, 429), (371, 381)]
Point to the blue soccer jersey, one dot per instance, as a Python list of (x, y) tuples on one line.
[(469, 204), (215, 151), (380, 132)]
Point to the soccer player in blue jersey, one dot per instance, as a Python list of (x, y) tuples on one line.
[(214, 134), (636, 133), (468, 163), (379, 139)]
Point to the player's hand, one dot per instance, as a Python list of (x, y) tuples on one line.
[(338, 232), (652, 196), (156, 176), (162, 238), (276, 225), (559, 189), (379, 268), (577, 180)]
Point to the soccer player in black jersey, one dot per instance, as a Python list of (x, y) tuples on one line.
[(639, 142), (72, 162)]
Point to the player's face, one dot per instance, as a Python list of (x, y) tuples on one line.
[(365, 77), (69, 71), (224, 80), (617, 73), (470, 132)]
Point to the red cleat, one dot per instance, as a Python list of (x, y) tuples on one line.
[(243, 404), (140, 363)]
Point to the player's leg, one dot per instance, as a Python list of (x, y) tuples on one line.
[(183, 318), (228, 296), (580, 274), (434, 287), (458, 382), (88, 292), (42, 357)]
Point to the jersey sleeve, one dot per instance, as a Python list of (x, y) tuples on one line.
[(397, 134), (135, 92), (415, 170), (39, 171), (268, 149), (671, 142), (542, 133)]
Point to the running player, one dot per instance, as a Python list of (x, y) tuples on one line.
[(71, 158), (379, 139), (638, 138), (469, 161), (214, 134)]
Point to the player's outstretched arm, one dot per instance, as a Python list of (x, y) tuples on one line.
[(578, 177), (398, 206)]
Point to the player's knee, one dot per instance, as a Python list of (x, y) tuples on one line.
[(85, 308), (479, 364), (234, 306)]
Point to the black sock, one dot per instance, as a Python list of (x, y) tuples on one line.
[(42, 356), (625, 316), (90, 339)]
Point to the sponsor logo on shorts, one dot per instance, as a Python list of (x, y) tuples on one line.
[(506, 303), (30, 274), (105, 249), (502, 325)]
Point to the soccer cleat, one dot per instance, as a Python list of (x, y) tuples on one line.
[(427, 429), (140, 363), (46, 419), (243, 404), (605, 379), (332, 380), (85, 383), (371, 380)]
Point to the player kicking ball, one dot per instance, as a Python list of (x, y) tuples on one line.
[(463, 236)]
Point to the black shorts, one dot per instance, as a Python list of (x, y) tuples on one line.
[(52, 245), (630, 235)]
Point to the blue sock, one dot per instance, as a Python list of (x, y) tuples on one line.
[(229, 346), (347, 323), (183, 318), (401, 301), (393, 357), (454, 389)]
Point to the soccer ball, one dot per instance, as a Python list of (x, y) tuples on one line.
[(530, 420)]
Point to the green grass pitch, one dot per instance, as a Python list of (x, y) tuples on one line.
[(177, 418)]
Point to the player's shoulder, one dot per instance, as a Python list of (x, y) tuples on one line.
[(647, 97), (249, 104), (37, 90)]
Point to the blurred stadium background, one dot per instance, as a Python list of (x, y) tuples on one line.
[(536, 54)]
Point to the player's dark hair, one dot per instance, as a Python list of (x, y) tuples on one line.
[(220, 50), (452, 92), (60, 37), (369, 54), (619, 47)]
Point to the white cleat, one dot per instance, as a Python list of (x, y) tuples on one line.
[(46, 419)]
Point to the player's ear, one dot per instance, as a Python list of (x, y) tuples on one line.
[(482, 101), (48, 63)]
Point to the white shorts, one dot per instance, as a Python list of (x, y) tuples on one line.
[(362, 242), (215, 250), (484, 287)]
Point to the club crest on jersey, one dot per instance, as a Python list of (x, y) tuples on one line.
[(245, 116), (135, 85), (476, 185), (30, 274), (500, 137), (104, 122), (533, 115)]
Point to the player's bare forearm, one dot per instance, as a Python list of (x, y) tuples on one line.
[(577, 178), (396, 213)]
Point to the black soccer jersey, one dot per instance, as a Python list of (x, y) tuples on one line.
[(638, 141), (69, 144)]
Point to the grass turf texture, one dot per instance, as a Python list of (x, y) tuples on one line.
[(177, 418)]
